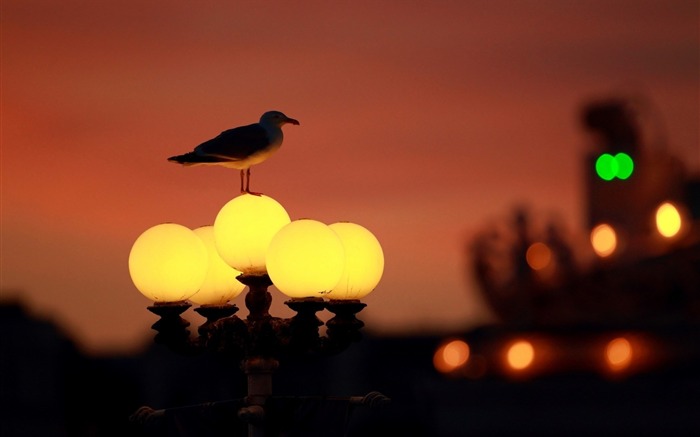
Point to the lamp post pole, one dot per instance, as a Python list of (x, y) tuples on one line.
[(259, 374), (258, 369)]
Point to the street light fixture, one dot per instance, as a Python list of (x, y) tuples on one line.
[(305, 259), (220, 284), (317, 266), (244, 228), (168, 263)]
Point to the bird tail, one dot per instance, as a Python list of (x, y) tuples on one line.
[(193, 158)]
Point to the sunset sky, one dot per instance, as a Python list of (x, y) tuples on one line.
[(422, 121)]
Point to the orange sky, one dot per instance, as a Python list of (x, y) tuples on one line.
[(421, 121)]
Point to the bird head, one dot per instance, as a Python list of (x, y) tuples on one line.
[(276, 118)]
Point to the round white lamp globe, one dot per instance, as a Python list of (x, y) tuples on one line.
[(305, 259), (220, 284), (244, 228), (364, 262), (168, 263)]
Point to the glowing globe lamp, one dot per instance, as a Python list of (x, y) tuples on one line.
[(244, 228), (220, 284), (168, 263), (305, 259), (364, 262)]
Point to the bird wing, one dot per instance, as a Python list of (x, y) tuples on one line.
[(236, 144)]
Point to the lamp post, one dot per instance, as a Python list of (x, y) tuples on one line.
[(254, 243)]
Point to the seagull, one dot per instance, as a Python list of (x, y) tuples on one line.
[(240, 147)]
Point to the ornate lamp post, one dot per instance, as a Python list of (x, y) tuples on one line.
[(254, 243)]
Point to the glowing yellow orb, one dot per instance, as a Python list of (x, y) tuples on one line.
[(244, 228), (168, 263), (220, 284), (305, 259), (364, 262), (668, 220), (604, 240)]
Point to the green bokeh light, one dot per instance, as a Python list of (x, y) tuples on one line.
[(625, 165), (609, 167), (606, 166)]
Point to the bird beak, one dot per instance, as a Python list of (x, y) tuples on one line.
[(292, 121)]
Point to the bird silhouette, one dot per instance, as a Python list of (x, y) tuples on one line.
[(240, 147)]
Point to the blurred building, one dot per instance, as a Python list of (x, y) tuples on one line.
[(635, 262)]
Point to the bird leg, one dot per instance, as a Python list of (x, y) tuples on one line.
[(242, 177), (247, 183)]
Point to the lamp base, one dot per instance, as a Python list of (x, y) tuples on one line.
[(303, 327), (344, 328), (172, 329), (258, 299)]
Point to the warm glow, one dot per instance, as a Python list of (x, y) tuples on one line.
[(220, 284), (364, 262), (668, 220), (244, 228), (450, 356), (538, 256), (520, 355), (168, 263), (305, 259), (618, 353), (603, 240)]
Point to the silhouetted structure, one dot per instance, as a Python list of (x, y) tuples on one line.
[(97, 397), (531, 273), (49, 388)]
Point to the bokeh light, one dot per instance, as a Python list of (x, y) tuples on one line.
[(450, 356), (668, 220), (625, 166), (520, 355), (609, 167), (606, 167), (538, 256), (618, 354), (604, 240)]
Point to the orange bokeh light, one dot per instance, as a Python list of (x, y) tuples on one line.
[(604, 240), (450, 356), (520, 355), (618, 354), (538, 256)]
